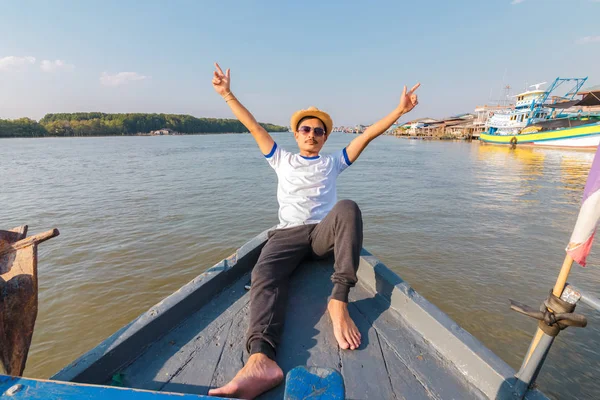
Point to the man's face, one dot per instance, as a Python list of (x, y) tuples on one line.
[(307, 139)]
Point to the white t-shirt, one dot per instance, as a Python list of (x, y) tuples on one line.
[(306, 189)]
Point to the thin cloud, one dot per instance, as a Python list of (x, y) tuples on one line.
[(516, 1), (51, 66), (588, 40), (121, 78), (13, 62)]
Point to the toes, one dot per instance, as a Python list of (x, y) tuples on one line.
[(356, 335), (353, 337), (355, 342), (348, 337), (226, 390), (342, 342)]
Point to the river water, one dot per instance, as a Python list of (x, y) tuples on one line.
[(468, 225)]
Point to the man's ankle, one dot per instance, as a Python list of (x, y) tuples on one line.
[(340, 292), (260, 346)]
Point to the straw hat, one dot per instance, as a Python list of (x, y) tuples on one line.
[(312, 112)]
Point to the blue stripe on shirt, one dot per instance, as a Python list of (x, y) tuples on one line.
[(346, 157), (272, 151)]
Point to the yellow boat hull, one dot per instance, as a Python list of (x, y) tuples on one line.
[(583, 136)]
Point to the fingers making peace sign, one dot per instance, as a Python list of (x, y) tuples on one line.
[(409, 100), (221, 81)]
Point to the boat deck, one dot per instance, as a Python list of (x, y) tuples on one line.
[(207, 349)]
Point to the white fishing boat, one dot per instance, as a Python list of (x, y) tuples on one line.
[(544, 120)]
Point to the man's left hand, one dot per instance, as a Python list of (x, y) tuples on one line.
[(408, 100)]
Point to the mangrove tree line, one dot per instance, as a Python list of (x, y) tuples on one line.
[(102, 124)]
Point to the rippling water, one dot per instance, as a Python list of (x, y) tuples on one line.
[(468, 225)]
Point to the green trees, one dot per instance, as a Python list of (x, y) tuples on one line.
[(22, 127), (101, 124)]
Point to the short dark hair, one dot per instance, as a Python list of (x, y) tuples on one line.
[(311, 117)]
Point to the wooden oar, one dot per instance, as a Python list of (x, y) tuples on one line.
[(18, 295)]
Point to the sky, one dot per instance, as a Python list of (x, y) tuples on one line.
[(349, 58)]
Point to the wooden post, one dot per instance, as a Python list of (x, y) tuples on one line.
[(562, 276), (559, 286), (19, 300)]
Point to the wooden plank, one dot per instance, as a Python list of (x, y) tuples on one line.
[(13, 235), (234, 354), (126, 345), (476, 363), (308, 334), (314, 383), (404, 384), (18, 299), (163, 359), (307, 337), (218, 363), (36, 389), (365, 373), (195, 375), (7, 247), (439, 377)]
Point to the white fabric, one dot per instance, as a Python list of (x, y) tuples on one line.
[(306, 189), (589, 214)]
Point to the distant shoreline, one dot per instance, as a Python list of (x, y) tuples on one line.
[(134, 135), (97, 124)]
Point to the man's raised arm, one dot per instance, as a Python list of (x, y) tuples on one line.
[(408, 101), (221, 83)]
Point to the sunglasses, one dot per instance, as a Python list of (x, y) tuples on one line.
[(305, 130)]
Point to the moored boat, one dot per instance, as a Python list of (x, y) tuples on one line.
[(540, 119), (581, 136)]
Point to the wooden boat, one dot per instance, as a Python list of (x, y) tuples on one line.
[(18, 295), (194, 340), (583, 136)]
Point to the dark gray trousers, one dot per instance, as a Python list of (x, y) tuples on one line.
[(340, 232)]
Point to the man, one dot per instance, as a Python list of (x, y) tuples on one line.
[(312, 222)]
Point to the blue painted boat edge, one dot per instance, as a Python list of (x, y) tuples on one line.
[(40, 389), (121, 348), (475, 362)]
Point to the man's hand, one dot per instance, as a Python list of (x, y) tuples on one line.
[(409, 100), (221, 81)]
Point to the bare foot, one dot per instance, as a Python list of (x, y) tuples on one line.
[(344, 329), (258, 375)]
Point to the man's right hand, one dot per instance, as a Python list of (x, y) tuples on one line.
[(221, 81)]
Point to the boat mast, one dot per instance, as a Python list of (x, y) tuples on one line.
[(557, 82)]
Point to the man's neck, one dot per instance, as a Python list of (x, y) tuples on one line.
[(306, 153)]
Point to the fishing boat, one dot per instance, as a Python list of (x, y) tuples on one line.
[(540, 119), (193, 340)]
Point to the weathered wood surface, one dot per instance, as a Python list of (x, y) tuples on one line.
[(18, 301), (6, 246), (390, 364), (194, 339), (196, 298), (18, 295)]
